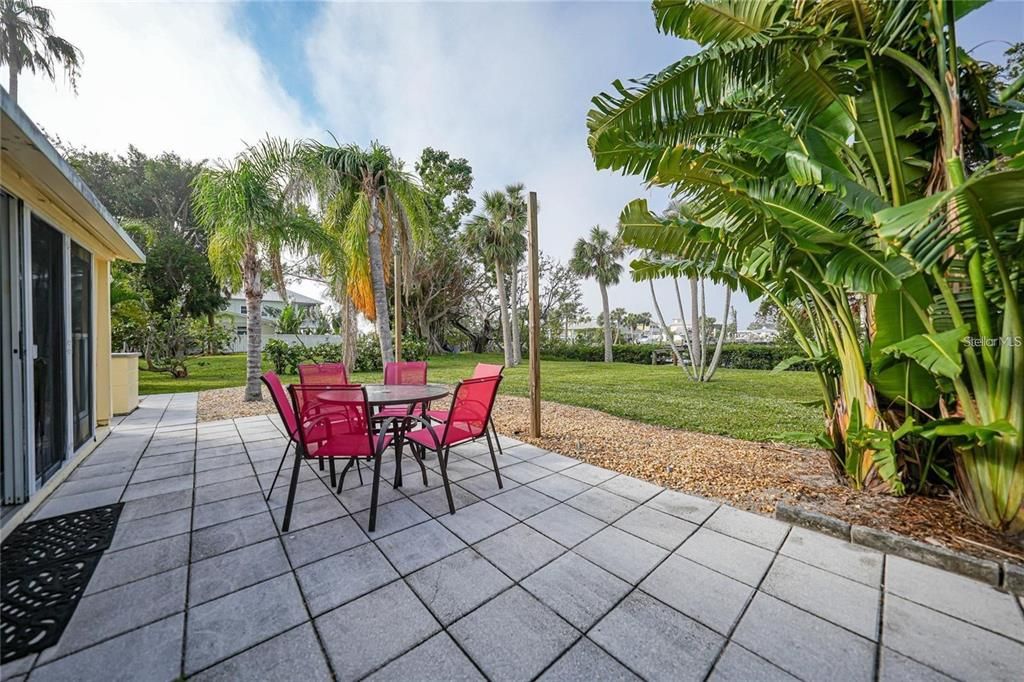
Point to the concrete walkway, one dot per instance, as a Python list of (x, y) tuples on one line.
[(572, 572)]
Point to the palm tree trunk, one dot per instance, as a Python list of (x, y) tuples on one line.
[(254, 331), (713, 365), (277, 272), (506, 331), (13, 87), (517, 346), (607, 325), (380, 290), (665, 330), (696, 342)]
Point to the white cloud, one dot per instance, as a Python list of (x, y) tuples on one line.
[(161, 76), (505, 85)]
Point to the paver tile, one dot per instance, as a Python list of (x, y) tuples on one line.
[(631, 488), (702, 594), (656, 527), (103, 615), (957, 648), (559, 487), (588, 473), (224, 537), (519, 550), (832, 554), (565, 524), (690, 507), (223, 627), (413, 548), (309, 489), (141, 561), (135, 491), (628, 557), (152, 652), (342, 577), (477, 521), (895, 667), (736, 663), (753, 528), (657, 642), (292, 655), (316, 542), (527, 451), (438, 658), (602, 504), (586, 662), (955, 595), (554, 461), (576, 589), (524, 472), (225, 489), (485, 486), (807, 647), (367, 633), (234, 570), (513, 637), (837, 599), (228, 510), (152, 506), (131, 533), (155, 473), (310, 512), (435, 502), (454, 586), (392, 517), (737, 559)]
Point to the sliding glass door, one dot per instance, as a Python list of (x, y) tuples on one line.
[(48, 364), (81, 344)]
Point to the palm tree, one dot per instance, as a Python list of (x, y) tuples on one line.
[(516, 232), (496, 240), (244, 207), (599, 259), (372, 207), (27, 42)]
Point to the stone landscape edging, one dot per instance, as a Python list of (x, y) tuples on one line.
[(1008, 575)]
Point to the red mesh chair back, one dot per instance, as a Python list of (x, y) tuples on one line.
[(407, 373), (470, 409), (485, 370), (324, 374), (281, 402), (333, 421)]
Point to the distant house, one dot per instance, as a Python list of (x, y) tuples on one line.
[(763, 335), (272, 307)]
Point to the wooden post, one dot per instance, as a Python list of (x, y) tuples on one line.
[(534, 273), (398, 304)]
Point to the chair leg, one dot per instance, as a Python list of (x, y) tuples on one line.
[(443, 461), (331, 463), (398, 458), (373, 492), (321, 463), (495, 430), (341, 479), (291, 491), (494, 459), (278, 472), (418, 454), (359, 470)]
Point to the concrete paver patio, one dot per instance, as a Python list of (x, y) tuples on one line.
[(571, 572)]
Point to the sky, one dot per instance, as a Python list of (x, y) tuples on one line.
[(507, 85)]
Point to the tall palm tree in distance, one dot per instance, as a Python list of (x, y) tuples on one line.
[(598, 259), (27, 43), (372, 206), (244, 206), (499, 244)]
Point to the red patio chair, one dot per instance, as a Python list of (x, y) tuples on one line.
[(481, 370), (334, 423), (324, 374), (405, 374), (466, 420), (287, 414)]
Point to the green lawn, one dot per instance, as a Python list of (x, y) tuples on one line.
[(748, 404)]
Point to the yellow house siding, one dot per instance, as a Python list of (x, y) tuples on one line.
[(101, 356)]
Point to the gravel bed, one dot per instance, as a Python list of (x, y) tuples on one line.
[(748, 475)]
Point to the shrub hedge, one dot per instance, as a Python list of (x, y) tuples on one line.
[(286, 357), (734, 355)]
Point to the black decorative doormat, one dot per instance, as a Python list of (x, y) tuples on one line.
[(45, 567)]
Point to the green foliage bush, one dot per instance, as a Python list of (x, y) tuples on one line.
[(734, 355), (286, 357)]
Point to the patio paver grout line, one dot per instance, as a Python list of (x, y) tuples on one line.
[(746, 606), (188, 564), (880, 623)]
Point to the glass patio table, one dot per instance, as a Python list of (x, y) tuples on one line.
[(395, 395)]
